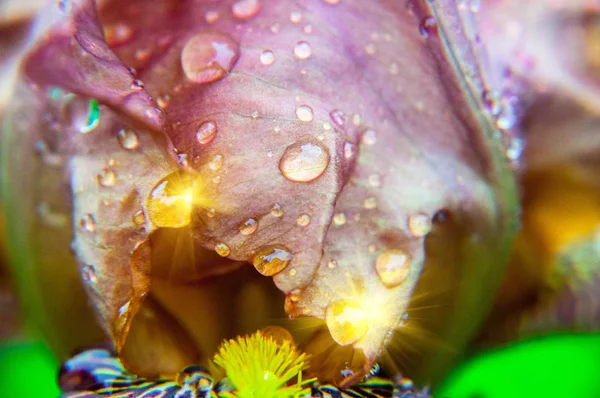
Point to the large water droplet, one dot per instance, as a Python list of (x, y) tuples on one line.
[(83, 115), (209, 56), (272, 259), (128, 139), (277, 210), (216, 162), (106, 178), (249, 226), (304, 161), (87, 222), (245, 9), (347, 321), (222, 249), (206, 132), (419, 224), (393, 266), (303, 50), (267, 57), (169, 204), (303, 220), (305, 113)]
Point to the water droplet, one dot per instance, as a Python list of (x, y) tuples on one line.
[(303, 220), (374, 180), (222, 249), (348, 150), (245, 9), (254, 115), (206, 132), (295, 16), (327, 126), (216, 179), (356, 119), (83, 115), (370, 203), (338, 117), (419, 224), (216, 162), (138, 218), (516, 148), (277, 210), (209, 56), (277, 129), (369, 137), (88, 223), (370, 49), (303, 50), (294, 295), (128, 139), (305, 113), (170, 201), (474, 5), (88, 274), (137, 85), (249, 226), (507, 118), (347, 321), (163, 101), (339, 219), (211, 213), (392, 266), (267, 57), (275, 28), (308, 29), (493, 102), (304, 161), (117, 34), (211, 16), (293, 272), (332, 264), (272, 259), (106, 178), (427, 26)]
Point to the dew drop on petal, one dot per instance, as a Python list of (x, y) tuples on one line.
[(82, 115), (216, 179), (211, 16), (302, 50), (331, 264), (339, 219), (106, 178), (347, 321), (249, 226), (209, 56), (216, 162), (169, 204), (370, 203), (369, 137), (294, 295), (267, 57), (138, 218), (277, 210), (305, 113), (304, 161), (88, 223), (272, 259), (293, 272), (419, 224), (222, 249), (427, 26), (327, 126), (211, 213), (88, 274), (128, 139), (393, 267), (303, 220), (374, 180), (295, 17), (117, 34), (338, 117), (245, 9), (348, 150), (207, 132)]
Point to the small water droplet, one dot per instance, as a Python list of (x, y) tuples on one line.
[(327, 126), (293, 272), (419, 224), (303, 220), (305, 113), (348, 150), (128, 139), (427, 26), (211, 213), (369, 137), (249, 226), (370, 203), (277, 210), (211, 16), (295, 16), (302, 50), (163, 101), (207, 131), (106, 178), (339, 219), (267, 57), (245, 9), (272, 259), (474, 5), (507, 118), (294, 295), (356, 119), (277, 129), (88, 274), (209, 56), (374, 180), (222, 249), (169, 204), (393, 267), (138, 218), (83, 115), (216, 179), (370, 49), (275, 28), (137, 85), (142, 54), (493, 102), (516, 148), (332, 264), (117, 34), (254, 115), (304, 161), (216, 162), (338, 117), (347, 321), (88, 223), (270, 154), (308, 29)]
